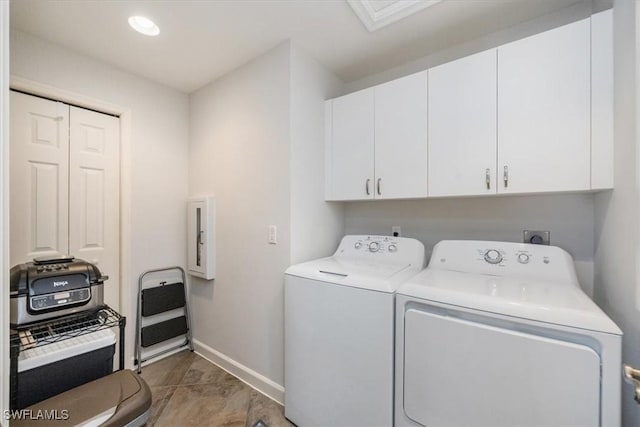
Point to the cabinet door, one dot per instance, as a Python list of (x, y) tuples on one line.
[(39, 188), (602, 100), (544, 111), (94, 214), (350, 152), (401, 138), (462, 126)]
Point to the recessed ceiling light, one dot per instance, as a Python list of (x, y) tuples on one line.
[(144, 25)]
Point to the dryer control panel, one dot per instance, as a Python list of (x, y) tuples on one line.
[(504, 259)]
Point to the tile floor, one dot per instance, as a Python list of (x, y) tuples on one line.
[(191, 391)]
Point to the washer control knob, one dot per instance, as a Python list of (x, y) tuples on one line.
[(393, 248), (374, 246), (492, 256), (523, 258), (358, 245)]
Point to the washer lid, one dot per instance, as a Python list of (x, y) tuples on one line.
[(559, 303), (383, 277)]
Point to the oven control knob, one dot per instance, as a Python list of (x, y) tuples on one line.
[(374, 246), (523, 258), (492, 256), (393, 248), (358, 245)]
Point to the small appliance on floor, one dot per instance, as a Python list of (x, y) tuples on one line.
[(60, 335), (339, 332), (501, 334)]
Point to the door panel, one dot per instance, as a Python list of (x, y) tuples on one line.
[(339, 355), (94, 185), (351, 156), (544, 111), (462, 126), (602, 116), (39, 175), (401, 138), (458, 372)]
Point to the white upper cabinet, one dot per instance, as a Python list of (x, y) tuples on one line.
[(377, 142), (401, 138), (462, 126), (544, 111), (602, 100), (350, 148), (531, 116)]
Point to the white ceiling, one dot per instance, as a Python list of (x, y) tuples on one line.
[(202, 40)]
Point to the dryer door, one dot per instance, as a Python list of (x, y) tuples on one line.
[(458, 372)]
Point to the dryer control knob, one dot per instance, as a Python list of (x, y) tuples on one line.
[(358, 245), (393, 248), (492, 256), (523, 258), (374, 246)]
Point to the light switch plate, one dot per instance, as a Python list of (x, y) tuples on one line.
[(273, 234), (537, 237)]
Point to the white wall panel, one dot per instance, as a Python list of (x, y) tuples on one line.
[(155, 154), (617, 288)]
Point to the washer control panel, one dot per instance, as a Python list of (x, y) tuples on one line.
[(372, 248), (377, 244)]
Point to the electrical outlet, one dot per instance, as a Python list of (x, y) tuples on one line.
[(537, 237), (396, 231)]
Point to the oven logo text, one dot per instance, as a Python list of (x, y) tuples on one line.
[(61, 283)]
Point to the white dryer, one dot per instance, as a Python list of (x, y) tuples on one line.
[(500, 334), (339, 333)]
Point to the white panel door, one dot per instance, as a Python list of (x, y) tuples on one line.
[(401, 138), (544, 111), (39, 168), (462, 126), (351, 152), (461, 373), (94, 213)]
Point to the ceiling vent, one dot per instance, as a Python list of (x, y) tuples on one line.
[(376, 14)]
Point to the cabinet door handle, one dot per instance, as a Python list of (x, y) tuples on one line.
[(378, 185), (505, 176), (487, 178), (366, 187)]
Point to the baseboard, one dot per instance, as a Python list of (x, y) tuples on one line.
[(250, 377)]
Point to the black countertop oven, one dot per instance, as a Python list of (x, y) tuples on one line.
[(52, 287)]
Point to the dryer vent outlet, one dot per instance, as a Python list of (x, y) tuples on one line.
[(537, 237)]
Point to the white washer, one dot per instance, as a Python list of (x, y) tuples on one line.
[(500, 334), (339, 333)]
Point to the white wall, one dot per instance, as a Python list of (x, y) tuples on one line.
[(157, 160), (257, 143), (239, 152), (316, 226), (568, 217), (616, 213), (580, 10)]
